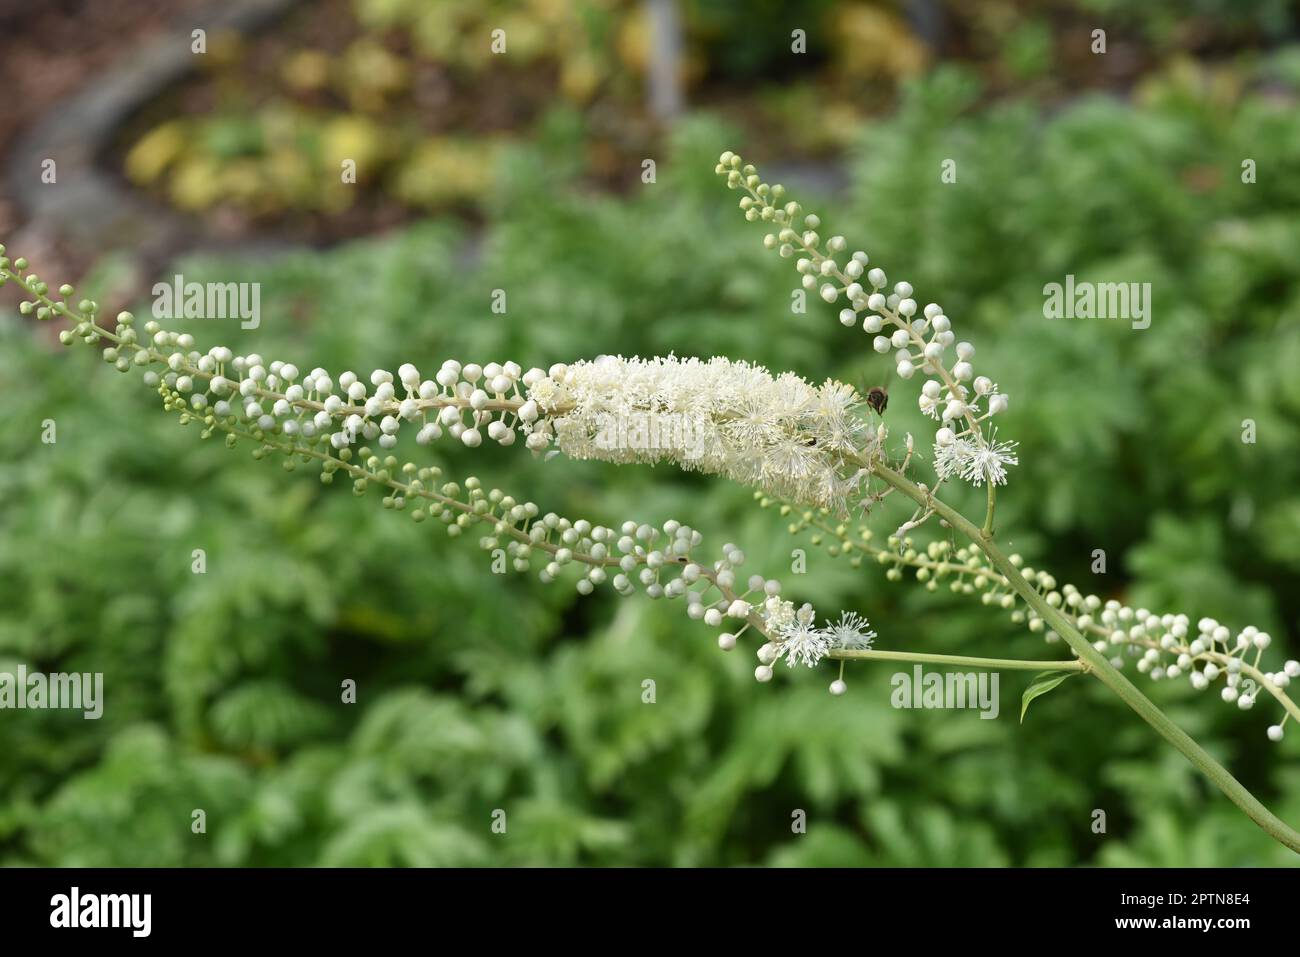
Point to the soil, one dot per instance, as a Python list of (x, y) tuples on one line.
[(49, 50)]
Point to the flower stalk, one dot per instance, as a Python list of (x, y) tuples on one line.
[(1098, 665), (957, 661)]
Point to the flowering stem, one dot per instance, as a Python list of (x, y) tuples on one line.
[(937, 567), (993, 664), (986, 533), (1103, 669)]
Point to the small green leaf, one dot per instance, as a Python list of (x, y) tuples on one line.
[(1042, 683)]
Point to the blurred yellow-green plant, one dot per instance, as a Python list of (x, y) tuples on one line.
[(418, 96)]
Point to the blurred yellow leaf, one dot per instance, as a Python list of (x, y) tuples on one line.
[(290, 174), (242, 183), (871, 43), (580, 75), (195, 185), (155, 151), (633, 41), (371, 74), (306, 71), (443, 171), (353, 138)]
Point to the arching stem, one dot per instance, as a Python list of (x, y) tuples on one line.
[(1097, 664)]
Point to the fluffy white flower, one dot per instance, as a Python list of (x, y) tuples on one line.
[(988, 460), (801, 640), (950, 454), (782, 434), (975, 459), (852, 632)]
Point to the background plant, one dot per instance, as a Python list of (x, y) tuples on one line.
[(413, 93)]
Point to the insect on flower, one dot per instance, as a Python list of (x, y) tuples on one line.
[(878, 395), (878, 399)]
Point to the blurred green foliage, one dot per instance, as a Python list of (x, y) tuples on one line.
[(478, 691)]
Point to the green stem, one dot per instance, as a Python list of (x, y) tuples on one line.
[(994, 664), (986, 533), (1236, 792)]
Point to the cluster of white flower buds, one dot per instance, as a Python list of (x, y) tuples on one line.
[(663, 562), (779, 433), (1167, 649), (467, 401), (920, 339), (1162, 645), (727, 418), (283, 410)]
